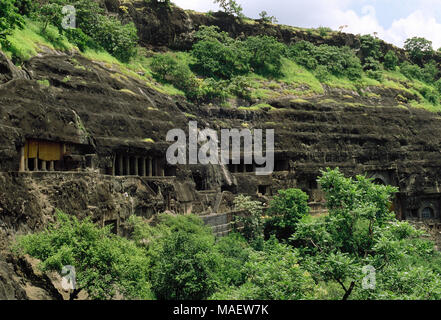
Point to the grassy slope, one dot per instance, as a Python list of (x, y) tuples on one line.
[(30, 41), (296, 80)]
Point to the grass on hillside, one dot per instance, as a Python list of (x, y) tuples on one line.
[(27, 42), (295, 80)]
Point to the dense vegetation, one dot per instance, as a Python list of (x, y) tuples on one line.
[(94, 29), (297, 257), (219, 67)]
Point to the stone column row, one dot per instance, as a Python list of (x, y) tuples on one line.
[(24, 164), (142, 166)]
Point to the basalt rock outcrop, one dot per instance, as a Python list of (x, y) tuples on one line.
[(89, 139), (172, 27)]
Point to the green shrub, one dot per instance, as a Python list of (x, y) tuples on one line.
[(323, 31), (438, 86), (185, 263), (104, 263), (370, 47), (240, 87), (371, 64), (219, 60), (411, 71), (430, 72), (430, 95), (117, 39), (9, 19), (235, 252), (265, 54), (341, 62), (26, 7), (271, 274), (211, 89), (286, 209), (80, 39), (252, 222), (322, 74), (390, 60), (419, 49), (377, 75), (168, 68)]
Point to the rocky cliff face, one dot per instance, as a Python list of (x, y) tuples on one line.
[(113, 126)]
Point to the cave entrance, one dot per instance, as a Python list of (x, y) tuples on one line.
[(200, 181), (281, 165), (264, 190)]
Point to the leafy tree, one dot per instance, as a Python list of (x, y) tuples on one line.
[(219, 56), (9, 19), (213, 33), (167, 67), (429, 73), (411, 71), (286, 209), (370, 47), (339, 61), (251, 223), (185, 262), (230, 7), (87, 14), (235, 252), (419, 49), (359, 231), (390, 60), (51, 13), (265, 17), (104, 263), (323, 31), (271, 274), (265, 54), (26, 7), (80, 39), (118, 39)]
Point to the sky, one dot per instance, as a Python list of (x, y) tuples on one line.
[(393, 20)]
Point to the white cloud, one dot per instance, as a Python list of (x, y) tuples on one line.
[(417, 24)]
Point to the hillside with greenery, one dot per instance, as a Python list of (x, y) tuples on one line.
[(279, 251), (220, 69)]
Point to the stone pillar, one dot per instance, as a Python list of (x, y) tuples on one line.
[(127, 172), (142, 172), (22, 166), (114, 166), (120, 166), (43, 165), (150, 167), (244, 169), (136, 166), (235, 168), (161, 166), (52, 166), (35, 164)]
